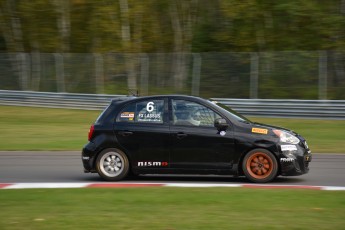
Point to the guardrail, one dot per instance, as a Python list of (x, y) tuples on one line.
[(55, 100), (321, 109)]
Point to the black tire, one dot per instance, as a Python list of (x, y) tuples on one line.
[(260, 166), (112, 164)]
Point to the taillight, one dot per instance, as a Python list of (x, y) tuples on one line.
[(92, 128)]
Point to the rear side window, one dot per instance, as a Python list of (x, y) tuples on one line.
[(149, 111)]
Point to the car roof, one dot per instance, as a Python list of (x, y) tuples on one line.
[(127, 98)]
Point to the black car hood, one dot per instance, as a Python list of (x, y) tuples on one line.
[(272, 127)]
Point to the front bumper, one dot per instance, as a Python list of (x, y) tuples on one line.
[(295, 161)]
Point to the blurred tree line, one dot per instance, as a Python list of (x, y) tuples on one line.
[(84, 26), (174, 26)]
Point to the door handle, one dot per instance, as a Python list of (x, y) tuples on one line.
[(125, 133), (181, 135)]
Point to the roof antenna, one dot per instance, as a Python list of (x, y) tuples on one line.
[(133, 93)]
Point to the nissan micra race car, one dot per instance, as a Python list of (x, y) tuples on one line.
[(175, 134)]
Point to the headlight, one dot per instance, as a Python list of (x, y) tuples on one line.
[(286, 137)]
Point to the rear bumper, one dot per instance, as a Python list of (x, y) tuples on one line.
[(88, 157)]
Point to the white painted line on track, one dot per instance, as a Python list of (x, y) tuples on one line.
[(184, 185), (46, 185), (333, 188)]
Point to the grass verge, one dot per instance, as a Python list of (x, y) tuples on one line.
[(28, 128), (171, 208)]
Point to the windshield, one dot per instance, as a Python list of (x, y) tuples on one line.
[(231, 112)]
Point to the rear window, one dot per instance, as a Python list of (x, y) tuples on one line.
[(148, 111), (103, 114)]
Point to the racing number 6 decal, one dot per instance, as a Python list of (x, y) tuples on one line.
[(149, 106)]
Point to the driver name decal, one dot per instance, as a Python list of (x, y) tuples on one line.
[(150, 113)]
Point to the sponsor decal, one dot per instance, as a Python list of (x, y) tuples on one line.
[(222, 133), (258, 130), (129, 115), (287, 159), (86, 158), (288, 147), (152, 164)]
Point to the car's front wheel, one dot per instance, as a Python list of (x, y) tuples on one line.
[(112, 164), (260, 166)]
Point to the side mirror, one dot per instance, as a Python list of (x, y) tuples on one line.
[(221, 124)]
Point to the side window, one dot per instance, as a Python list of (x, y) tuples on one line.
[(192, 114), (143, 112)]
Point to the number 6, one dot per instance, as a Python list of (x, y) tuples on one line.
[(149, 106)]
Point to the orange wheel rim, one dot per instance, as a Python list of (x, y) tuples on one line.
[(259, 165)]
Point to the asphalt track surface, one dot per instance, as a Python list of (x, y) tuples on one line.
[(59, 167)]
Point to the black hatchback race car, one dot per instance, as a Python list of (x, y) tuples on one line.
[(175, 134)]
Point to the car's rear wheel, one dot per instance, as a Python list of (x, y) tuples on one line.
[(112, 164), (260, 166)]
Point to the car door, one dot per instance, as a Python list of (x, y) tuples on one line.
[(142, 130), (196, 143)]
